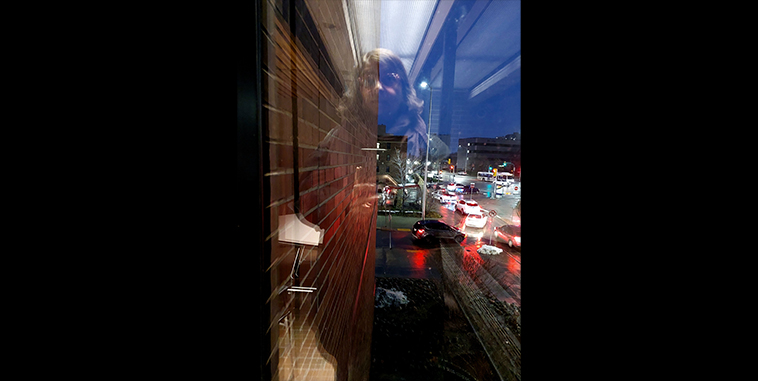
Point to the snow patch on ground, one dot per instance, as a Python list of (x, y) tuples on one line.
[(489, 250), (389, 298)]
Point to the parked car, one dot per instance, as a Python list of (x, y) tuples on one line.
[(476, 220), (430, 230), (468, 206), (463, 173), (510, 234)]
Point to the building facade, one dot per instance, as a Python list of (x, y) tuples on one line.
[(478, 154), (320, 297)]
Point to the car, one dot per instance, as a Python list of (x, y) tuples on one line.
[(437, 195), (510, 234), (455, 187), (476, 220), (463, 173), (431, 230), (433, 185), (468, 189), (447, 197), (468, 206), (500, 187)]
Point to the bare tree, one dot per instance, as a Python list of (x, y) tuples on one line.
[(400, 167), (397, 165)]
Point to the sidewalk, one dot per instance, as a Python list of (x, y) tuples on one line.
[(399, 223)]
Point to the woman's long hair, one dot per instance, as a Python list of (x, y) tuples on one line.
[(351, 105)]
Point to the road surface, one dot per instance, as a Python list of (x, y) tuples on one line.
[(407, 259)]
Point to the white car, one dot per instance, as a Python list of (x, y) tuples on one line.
[(447, 197), (500, 187), (509, 188), (468, 206), (476, 220), (437, 195)]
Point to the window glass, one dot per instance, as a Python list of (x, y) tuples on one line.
[(359, 94)]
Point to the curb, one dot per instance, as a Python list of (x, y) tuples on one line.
[(394, 230)]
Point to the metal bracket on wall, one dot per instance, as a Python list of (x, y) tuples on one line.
[(301, 289), (295, 273)]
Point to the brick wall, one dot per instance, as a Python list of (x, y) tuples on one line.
[(327, 334)]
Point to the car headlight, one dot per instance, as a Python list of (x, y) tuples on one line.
[(517, 239)]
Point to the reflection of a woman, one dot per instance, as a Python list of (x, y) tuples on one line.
[(384, 94), (379, 94)]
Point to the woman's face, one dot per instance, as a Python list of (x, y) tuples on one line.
[(382, 91)]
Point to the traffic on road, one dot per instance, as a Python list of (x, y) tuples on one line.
[(468, 221)]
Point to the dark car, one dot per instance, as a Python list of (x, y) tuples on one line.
[(468, 189), (429, 230), (510, 234)]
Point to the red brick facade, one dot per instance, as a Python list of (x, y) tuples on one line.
[(328, 333)]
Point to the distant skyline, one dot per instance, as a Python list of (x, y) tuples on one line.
[(454, 140), (498, 116)]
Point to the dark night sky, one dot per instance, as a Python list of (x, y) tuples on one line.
[(498, 116)]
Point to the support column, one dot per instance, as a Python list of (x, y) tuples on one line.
[(449, 48)]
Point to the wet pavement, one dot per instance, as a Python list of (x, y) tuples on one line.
[(406, 259), (426, 338), (430, 337)]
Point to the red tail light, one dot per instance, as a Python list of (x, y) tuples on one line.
[(420, 231)]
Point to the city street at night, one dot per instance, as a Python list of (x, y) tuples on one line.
[(443, 305), (408, 259)]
